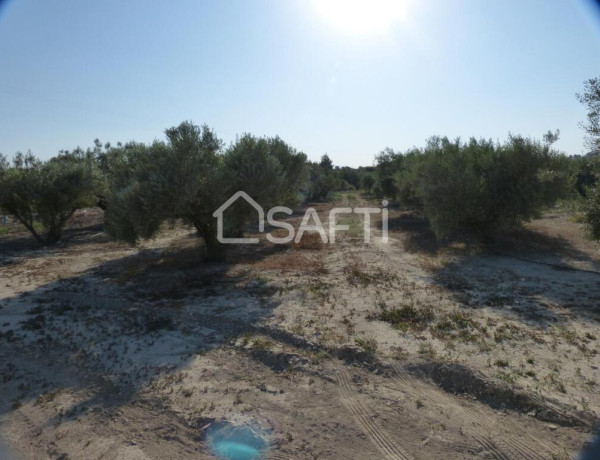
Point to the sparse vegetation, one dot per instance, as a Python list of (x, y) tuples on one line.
[(408, 317), (320, 327), (505, 332), (368, 344), (458, 325), (427, 351), (261, 344), (501, 363), (466, 326)]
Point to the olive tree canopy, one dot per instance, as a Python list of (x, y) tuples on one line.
[(591, 99), (189, 176), (44, 195)]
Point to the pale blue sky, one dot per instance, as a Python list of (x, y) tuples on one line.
[(119, 70)]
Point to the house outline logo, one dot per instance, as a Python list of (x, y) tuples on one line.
[(219, 215), (310, 213)]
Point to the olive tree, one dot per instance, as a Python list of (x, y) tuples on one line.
[(270, 171), (480, 186), (44, 195), (176, 179), (322, 179), (388, 163), (367, 182), (189, 176), (590, 98)]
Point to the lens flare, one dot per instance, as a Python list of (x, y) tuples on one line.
[(231, 442), (362, 16)]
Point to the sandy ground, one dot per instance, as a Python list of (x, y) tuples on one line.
[(401, 350)]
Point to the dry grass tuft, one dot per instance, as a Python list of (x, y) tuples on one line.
[(358, 274), (291, 260), (310, 241)]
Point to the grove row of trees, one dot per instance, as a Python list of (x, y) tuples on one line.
[(476, 186), (479, 186), (140, 186)]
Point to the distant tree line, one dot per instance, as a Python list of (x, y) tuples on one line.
[(325, 178)]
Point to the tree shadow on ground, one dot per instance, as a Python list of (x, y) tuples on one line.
[(533, 276), (416, 233), (22, 244), (115, 329)]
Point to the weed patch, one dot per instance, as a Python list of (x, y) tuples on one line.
[(506, 332), (458, 325), (407, 317), (368, 344)]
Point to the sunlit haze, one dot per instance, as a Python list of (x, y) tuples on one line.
[(347, 78), (359, 16)]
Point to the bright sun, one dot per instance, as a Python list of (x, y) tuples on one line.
[(361, 16)]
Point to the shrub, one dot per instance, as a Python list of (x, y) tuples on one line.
[(388, 163), (408, 317), (590, 98), (351, 177), (406, 179), (586, 171)]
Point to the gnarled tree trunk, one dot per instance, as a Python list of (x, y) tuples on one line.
[(214, 249)]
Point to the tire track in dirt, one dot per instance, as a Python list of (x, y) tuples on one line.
[(491, 447), (386, 445), (482, 428), (487, 428), (433, 397)]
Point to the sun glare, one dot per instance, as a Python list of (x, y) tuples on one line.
[(361, 16)]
